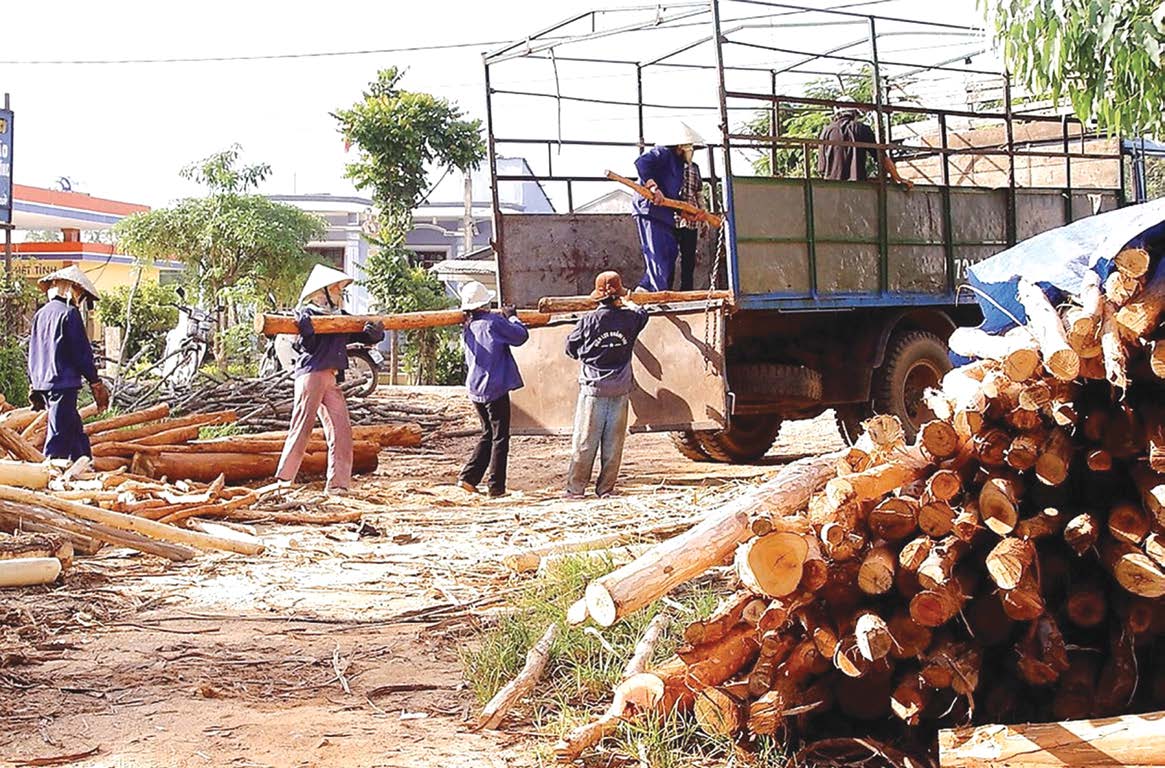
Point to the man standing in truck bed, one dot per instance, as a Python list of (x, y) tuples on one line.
[(661, 169), (839, 162)]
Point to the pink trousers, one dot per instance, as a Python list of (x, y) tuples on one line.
[(318, 394)]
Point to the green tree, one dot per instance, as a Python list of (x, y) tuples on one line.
[(151, 315), (399, 137), (1104, 56), (229, 238)]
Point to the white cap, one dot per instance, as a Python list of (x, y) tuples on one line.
[(72, 275), (474, 295), (320, 278), (675, 133)]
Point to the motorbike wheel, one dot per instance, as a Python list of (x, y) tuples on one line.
[(361, 367)]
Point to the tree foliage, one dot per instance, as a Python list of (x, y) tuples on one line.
[(1104, 56), (229, 236), (152, 315), (399, 135)]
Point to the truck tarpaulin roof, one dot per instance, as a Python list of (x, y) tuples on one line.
[(1057, 259)]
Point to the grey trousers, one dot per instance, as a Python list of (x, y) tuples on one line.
[(600, 426)]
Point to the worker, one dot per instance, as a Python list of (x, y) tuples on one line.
[(602, 341), (839, 162), (661, 169), (688, 229), (60, 358), (492, 375), (323, 358)]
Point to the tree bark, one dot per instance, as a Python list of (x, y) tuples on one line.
[(143, 416), (20, 449), (645, 648), (1128, 740), (24, 474), (1017, 352), (245, 467), (563, 304), (523, 683), (1044, 322), (272, 325)]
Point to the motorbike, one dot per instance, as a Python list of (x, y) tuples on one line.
[(187, 343), (364, 362)]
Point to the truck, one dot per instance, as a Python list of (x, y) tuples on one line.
[(842, 293)]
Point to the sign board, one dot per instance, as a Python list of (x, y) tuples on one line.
[(5, 166)]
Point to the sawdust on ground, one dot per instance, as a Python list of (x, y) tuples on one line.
[(339, 646)]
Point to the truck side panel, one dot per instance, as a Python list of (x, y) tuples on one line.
[(679, 376)]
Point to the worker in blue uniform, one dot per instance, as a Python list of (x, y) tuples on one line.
[(60, 359), (661, 169)]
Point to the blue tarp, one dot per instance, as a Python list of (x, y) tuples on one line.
[(1056, 260)]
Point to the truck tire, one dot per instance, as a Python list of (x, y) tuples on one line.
[(776, 381), (688, 445), (914, 361), (747, 438)]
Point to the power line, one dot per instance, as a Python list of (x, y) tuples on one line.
[(258, 57)]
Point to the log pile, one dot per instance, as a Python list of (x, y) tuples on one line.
[(1007, 567), (265, 403)]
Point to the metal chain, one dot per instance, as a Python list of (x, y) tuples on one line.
[(712, 320)]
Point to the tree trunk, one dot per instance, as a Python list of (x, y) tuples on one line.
[(143, 416), (24, 474), (1044, 322), (536, 659), (645, 648), (772, 565), (562, 304), (1130, 740), (25, 515), (20, 449), (245, 467), (28, 571), (272, 325)]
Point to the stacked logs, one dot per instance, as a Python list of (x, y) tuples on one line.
[(1006, 567)]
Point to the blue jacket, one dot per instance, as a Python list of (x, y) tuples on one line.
[(59, 353), (487, 338), (325, 351), (603, 342), (665, 168)]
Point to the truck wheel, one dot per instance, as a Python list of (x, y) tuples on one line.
[(849, 418), (914, 361), (689, 445), (747, 438), (776, 381)]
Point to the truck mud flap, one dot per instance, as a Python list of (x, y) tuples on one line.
[(679, 375)]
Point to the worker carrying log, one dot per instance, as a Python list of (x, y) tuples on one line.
[(602, 342), (492, 375), (60, 359), (323, 358), (661, 170)]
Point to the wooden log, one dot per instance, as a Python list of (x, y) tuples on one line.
[(1024, 603), (1114, 353), (1132, 262), (780, 610), (638, 694), (876, 482), (679, 559), (138, 525), (722, 660), (1042, 654), (645, 648), (1100, 460), (939, 439), (1128, 522), (936, 518), (999, 503), (1008, 561), (873, 637), (952, 664), (1118, 676), (935, 607), (564, 304), (141, 431), (967, 524), (1128, 740), (728, 614), (1044, 323), (944, 485), (719, 713), (29, 571), (245, 467), (1076, 689), (18, 419), (1055, 458), (909, 699), (26, 545), (528, 560), (910, 638), (143, 416), (20, 448), (523, 683), (24, 474), (1120, 289), (1024, 451), (877, 571), (939, 566), (1141, 314), (991, 447), (1086, 604), (1133, 569), (1152, 489), (83, 532), (1017, 351), (772, 565), (1048, 522), (775, 647), (273, 325), (1155, 547), (1082, 532), (894, 518), (1157, 358)]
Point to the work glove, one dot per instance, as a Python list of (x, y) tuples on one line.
[(509, 310), (628, 303), (374, 327), (100, 395), (36, 400)]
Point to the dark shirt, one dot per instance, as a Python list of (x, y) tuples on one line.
[(59, 353), (663, 166), (493, 371), (325, 351), (842, 163), (603, 342)]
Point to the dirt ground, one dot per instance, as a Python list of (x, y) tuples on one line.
[(338, 646)]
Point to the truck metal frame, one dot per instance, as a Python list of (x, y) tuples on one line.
[(843, 292)]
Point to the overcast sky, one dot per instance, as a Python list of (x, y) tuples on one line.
[(123, 131)]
